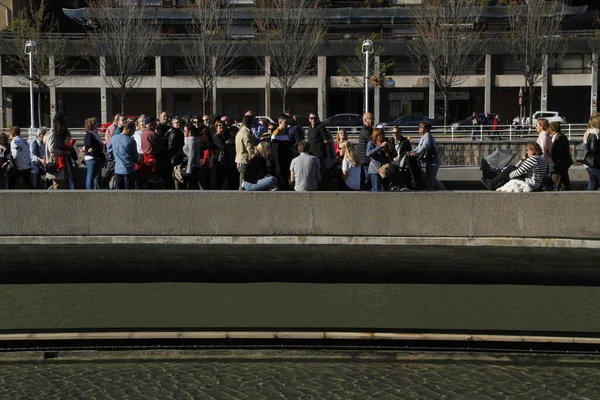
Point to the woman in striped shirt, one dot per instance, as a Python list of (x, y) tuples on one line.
[(531, 172)]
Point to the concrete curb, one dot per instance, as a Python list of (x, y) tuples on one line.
[(305, 240)]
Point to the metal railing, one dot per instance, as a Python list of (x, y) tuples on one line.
[(467, 133)]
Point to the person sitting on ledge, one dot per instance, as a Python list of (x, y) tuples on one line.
[(529, 176), (258, 175)]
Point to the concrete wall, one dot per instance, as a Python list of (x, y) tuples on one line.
[(412, 214)]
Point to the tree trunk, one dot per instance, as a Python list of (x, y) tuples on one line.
[(530, 94), (122, 98), (445, 109), (283, 99), (204, 101)]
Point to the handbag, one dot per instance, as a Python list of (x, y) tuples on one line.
[(582, 153), (384, 170), (52, 168)]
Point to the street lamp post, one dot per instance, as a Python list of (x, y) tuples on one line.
[(31, 49), (367, 48)]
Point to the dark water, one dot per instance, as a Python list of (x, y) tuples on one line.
[(367, 307), (302, 379)]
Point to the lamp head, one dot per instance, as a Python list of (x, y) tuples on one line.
[(30, 47), (367, 47)]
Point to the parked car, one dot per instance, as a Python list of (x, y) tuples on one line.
[(351, 122), (407, 120), (551, 116), (467, 123), (269, 119)]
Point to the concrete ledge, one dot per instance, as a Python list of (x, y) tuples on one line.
[(556, 215)]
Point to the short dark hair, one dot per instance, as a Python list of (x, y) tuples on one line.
[(303, 146), (426, 126), (248, 120)]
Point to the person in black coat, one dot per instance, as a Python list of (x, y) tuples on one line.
[(561, 157)]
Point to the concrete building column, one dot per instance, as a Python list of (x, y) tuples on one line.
[(594, 85), (487, 102), (322, 86), (376, 94), (103, 97), (431, 92), (8, 109), (53, 100), (544, 99), (268, 85), (158, 68), (2, 111)]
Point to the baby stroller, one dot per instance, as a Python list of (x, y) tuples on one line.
[(407, 174), (493, 164)]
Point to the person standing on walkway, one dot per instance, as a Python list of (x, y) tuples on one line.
[(57, 152), (592, 162), (110, 131), (319, 144), (427, 150), (124, 151), (38, 157), (21, 159), (244, 146), (545, 140), (561, 157), (364, 137), (94, 156)]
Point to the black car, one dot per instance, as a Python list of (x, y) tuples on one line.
[(407, 120), (351, 122)]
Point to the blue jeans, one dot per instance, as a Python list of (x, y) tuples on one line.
[(92, 178), (267, 183), (376, 183), (125, 181), (594, 178)]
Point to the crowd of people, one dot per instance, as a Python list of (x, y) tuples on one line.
[(199, 153)]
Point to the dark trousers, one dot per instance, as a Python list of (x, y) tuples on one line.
[(24, 174), (502, 177), (125, 181), (37, 175), (561, 180)]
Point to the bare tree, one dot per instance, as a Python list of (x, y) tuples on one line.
[(126, 34), (448, 33), (354, 67), (534, 35), (291, 33), (210, 52), (36, 23)]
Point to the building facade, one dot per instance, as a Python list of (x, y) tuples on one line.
[(491, 84)]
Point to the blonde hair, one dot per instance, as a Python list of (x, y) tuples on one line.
[(263, 148), (341, 132), (594, 123), (350, 154)]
